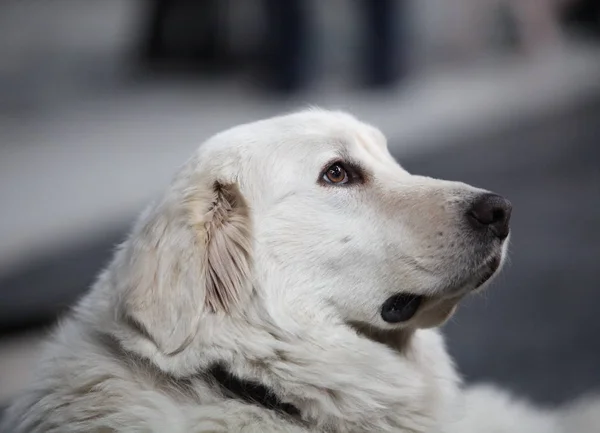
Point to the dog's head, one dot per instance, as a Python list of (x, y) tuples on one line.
[(311, 215)]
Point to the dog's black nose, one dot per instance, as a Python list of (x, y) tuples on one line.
[(491, 211)]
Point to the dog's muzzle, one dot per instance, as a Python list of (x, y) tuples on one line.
[(488, 217)]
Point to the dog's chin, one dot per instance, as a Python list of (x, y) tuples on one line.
[(426, 311)]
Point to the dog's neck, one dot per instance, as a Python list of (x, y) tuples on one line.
[(254, 392), (340, 374), (324, 373)]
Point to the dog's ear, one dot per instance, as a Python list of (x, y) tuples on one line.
[(189, 257)]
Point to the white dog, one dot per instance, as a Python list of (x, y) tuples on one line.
[(287, 281)]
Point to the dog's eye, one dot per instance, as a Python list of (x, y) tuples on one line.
[(336, 174)]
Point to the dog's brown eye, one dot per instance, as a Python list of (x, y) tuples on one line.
[(336, 174)]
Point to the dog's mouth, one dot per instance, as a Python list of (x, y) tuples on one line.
[(402, 307), (488, 270)]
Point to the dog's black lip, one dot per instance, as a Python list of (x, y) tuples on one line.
[(490, 269), (400, 307)]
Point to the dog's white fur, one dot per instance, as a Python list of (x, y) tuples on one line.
[(251, 260)]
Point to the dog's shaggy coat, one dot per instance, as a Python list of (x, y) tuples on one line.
[(267, 262)]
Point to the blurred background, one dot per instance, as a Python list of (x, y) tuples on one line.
[(100, 101)]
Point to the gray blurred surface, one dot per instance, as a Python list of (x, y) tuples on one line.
[(535, 330)]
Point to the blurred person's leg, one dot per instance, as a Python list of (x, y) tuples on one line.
[(470, 31), (153, 38), (538, 24), (386, 48), (287, 44), (584, 15), (185, 31)]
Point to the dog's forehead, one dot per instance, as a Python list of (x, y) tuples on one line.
[(314, 132), (298, 143)]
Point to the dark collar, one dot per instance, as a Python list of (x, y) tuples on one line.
[(230, 385), (250, 391)]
